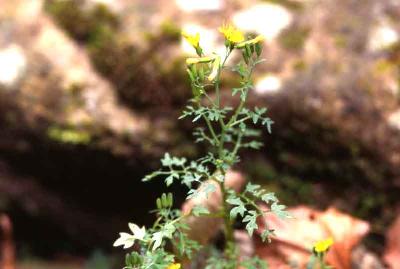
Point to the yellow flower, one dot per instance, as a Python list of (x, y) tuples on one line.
[(193, 40), (323, 245), (174, 266), (231, 33)]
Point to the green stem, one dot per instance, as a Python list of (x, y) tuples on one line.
[(239, 121), (227, 221), (210, 127)]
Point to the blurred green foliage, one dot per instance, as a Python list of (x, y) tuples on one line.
[(293, 38), (68, 135)]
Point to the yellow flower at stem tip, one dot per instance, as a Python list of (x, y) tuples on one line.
[(193, 40), (323, 245), (174, 266), (231, 34)]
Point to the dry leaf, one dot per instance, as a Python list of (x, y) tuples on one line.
[(392, 251), (7, 249), (202, 229), (295, 237)]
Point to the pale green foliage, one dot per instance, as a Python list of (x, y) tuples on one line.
[(226, 131)]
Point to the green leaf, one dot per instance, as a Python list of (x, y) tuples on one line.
[(168, 230), (280, 211), (268, 122), (188, 179), (236, 90), (239, 209), (253, 144), (234, 201), (157, 239), (251, 219), (242, 126), (254, 263), (169, 180), (199, 210), (269, 197), (209, 188), (265, 235), (258, 48), (138, 233), (252, 187)]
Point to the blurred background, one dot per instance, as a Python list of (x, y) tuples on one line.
[(90, 92)]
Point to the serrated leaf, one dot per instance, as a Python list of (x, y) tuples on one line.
[(138, 233), (169, 180), (209, 188), (166, 160), (238, 210), (266, 234), (280, 211), (242, 126), (126, 240), (251, 219), (199, 210), (269, 197), (250, 187), (157, 240)]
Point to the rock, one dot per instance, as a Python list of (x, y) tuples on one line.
[(12, 65), (265, 19), (37, 44), (268, 84), (382, 37), (200, 5), (364, 259)]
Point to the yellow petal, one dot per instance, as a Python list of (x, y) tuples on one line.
[(231, 33), (323, 245), (174, 266)]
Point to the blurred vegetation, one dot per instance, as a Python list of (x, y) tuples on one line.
[(117, 59), (293, 38)]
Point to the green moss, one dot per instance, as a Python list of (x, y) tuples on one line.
[(68, 135), (300, 65), (82, 24), (293, 38), (340, 41), (290, 189), (170, 30)]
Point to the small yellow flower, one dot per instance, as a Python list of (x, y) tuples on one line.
[(193, 40), (174, 266), (231, 34), (323, 245)]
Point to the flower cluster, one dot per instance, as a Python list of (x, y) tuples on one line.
[(231, 34)]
